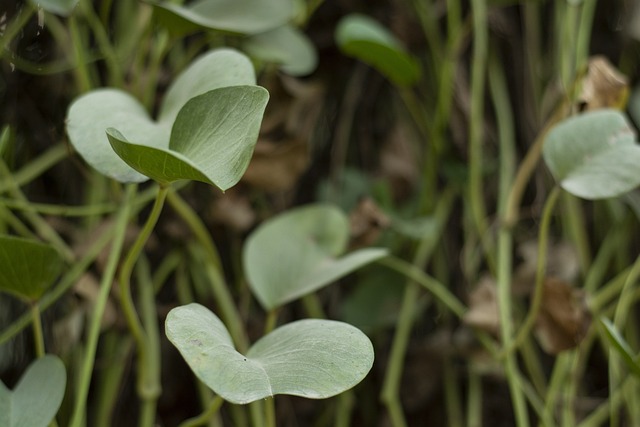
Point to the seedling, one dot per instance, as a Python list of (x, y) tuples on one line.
[(311, 358)]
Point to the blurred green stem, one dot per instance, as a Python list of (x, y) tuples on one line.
[(148, 386), (84, 380)]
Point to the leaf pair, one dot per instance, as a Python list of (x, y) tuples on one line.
[(268, 35), (311, 358), (206, 129)]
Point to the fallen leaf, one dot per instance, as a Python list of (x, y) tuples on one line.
[(276, 166), (233, 210), (604, 86), (564, 318), (483, 307), (562, 263)]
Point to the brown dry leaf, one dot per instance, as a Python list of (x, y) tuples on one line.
[(234, 211), (366, 222), (282, 152), (483, 307), (604, 86), (564, 317), (277, 166)]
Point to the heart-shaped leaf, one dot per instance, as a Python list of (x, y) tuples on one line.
[(312, 358), (37, 396), (27, 267), (234, 16), (286, 46), (365, 39), (594, 155), (295, 253), (58, 7), (212, 139), (92, 114)]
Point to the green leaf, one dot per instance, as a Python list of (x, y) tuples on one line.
[(27, 267), (92, 114), (621, 346), (212, 139), (37, 396), (234, 16), (295, 253), (311, 358), (365, 39), (58, 7), (594, 155), (286, 46)]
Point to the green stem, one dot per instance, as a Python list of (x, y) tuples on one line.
[(42, 227), (81, 71), (453, 395), (102, 38), (117, 351), (196, 225), (391, 386), (84, 380), (38, 336), (476, 123), (543, 245), (474, 403), (147, 384), (36, 167), (270, 411), (203, 418), (433, 286)]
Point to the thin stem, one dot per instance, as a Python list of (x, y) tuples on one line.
[(543, 244), (38, 336), (36, 167), (84, 380), (478, 74), (433, 286), (270, 411), (196, 225), (147, 386), (203, 418), (43, 228)]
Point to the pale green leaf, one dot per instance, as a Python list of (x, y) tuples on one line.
[(296, 253), (92, 114), (286, 46), (212, 139), (594, 155), (234, 16), (36, 398), (311, 358)]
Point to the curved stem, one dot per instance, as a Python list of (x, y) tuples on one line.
[(147, 387), (543, 241), (202, 419)]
